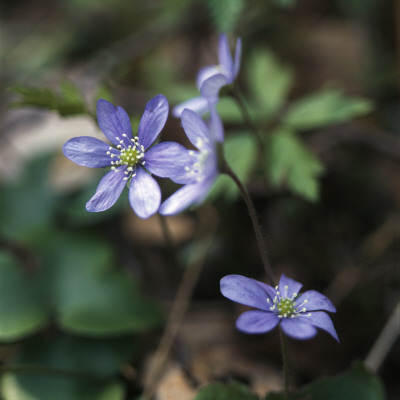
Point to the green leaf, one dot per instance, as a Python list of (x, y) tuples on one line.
[(89, 294), (21, 311), (325, 108), (67, 102), (230, 391), (82, 369), (290, 163), (241, 154), (225, 13), (285, 3), (356, 384), (269, 81)]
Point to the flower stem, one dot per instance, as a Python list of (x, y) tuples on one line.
[(179, 307), (285, 364), (260, 241), (248, 120)]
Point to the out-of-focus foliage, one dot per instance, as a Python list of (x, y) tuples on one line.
[(225, 13), (231, 391)]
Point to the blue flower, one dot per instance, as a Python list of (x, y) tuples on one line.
[(203, 170), (131, 158), (299, 314), (210, 79)]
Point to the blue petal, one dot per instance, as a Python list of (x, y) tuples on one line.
[(198, 104), (211, 86), (108, 191), (315, 301), (196, 130), (87, 151), (238, 56), (246, 291), (216, 127), (224, 54), (169, 160), (254, 322), (207, 72), (153, 120), (190, 194), (144, 194), (288, 287), (298, 329), (113, 121), (320, 320)]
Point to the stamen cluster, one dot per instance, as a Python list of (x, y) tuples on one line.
[(286, 307)]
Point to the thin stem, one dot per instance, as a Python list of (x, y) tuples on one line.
[(179, 307), (260, 241), (248, 120), (285, 364)]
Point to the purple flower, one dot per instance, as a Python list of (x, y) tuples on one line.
[(299, 314), (210, 79), (203, 170), (130, 158)]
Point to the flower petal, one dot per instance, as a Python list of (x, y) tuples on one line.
[(113, 121), (298, 329), (168, 160), (215, 125), (257, 322), (288, 287), (321, 320), (238, 56), (153, 120), (196, 130), (211, 86), (198, 104), (87, 151), (144, 194), (315, 301), (207, 72), (186, 196), (108, 191), (245, 291), (224, 54)]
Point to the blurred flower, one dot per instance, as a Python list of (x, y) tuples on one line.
[(203, 170), (210, 79), (298, 314), (127, 156)]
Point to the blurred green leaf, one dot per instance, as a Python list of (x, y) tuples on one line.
[(84, 369), (67, 102), (225, 13), (27, 205), (325, 108), (290, 162), (21, 312), (230, 391), (240, 153), (269, 81), (88, 294), (285, 3), (356, 384)]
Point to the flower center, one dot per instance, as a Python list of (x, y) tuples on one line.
[(286, 307), (128, 153)]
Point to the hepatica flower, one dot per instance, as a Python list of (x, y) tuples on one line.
[(299, 314), (210, 79), (131, 158), (203, 170)]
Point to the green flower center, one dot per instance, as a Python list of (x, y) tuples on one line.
[(130, 156), (286, 307)]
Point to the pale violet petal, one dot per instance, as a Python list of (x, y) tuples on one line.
[(144, 194), (288, 287), (207, 72), (211, 86), (224, 54), (321, 320), (246, 291), (113, 121), (170, 160), (255, 322), (238, 56), (87, 151), (198, 104), (153, 120), (314, 301), (196, 130), (215, 125), (108, 191), (298, 329)]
